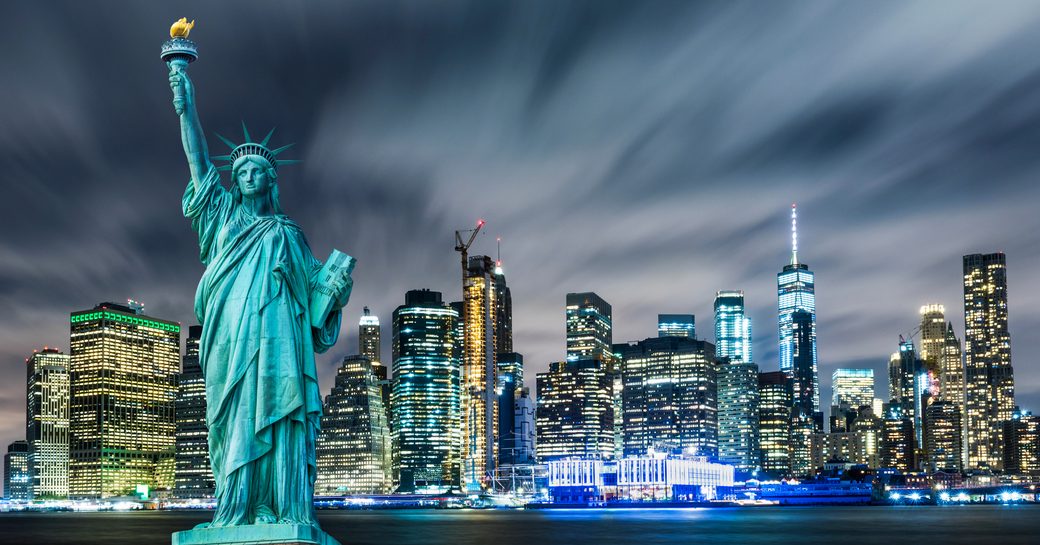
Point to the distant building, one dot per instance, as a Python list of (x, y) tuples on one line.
[(637, 479), (574, 418), (370, 339), (805, 419), (738, 415), (852, 389), (669, 396), (732, 327), (479, 404), (193, 477), (676, 325), (943, 434), (47, 423), (897, 440), (510, 384), (1022, 444), (796, 292), (989, 379), (353, 447), (525, 437), (123, 369), (503, 312), (589, 330), (774, 422), (909, 387), (17, 479), (425, 400)]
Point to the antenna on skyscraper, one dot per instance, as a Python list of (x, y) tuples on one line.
[(794, 233)]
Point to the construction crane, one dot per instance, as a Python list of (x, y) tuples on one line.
[(463, 247)]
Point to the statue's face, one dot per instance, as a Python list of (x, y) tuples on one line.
[(254, 179)]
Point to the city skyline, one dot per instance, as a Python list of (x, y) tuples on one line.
[(415, 173)]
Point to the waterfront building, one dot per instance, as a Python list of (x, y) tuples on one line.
[(897, 440), (868, 425), (47, 423), (669, 396), (676, 325), (589, 330), (1022, 444), (353, 447), (851, 389), (650, 478), (943, 434), (425, 399), (796, 294), (774, 422), (732, 327), (193, 477), (574, 418), (17, 475), (848, 446), (510, 384), (123, 369), (479, 404), (989, 379)]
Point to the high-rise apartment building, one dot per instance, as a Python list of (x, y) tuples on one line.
[(589, 333), (943, 435), (123, 369), (193, 476), (775, 395), (676, 325), (989, 380), (897, 440), (574, 418), (851, 389), (354, 447), (479, 369), (1022, 444), (669, 396), (425, 403), (17, 477), (796, 293), (47, 423)]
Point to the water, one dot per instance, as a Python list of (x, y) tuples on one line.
[(927, 525)]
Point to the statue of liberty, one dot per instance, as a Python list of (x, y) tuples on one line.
[(260, 326)]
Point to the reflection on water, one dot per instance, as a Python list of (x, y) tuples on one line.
[(768, 525)]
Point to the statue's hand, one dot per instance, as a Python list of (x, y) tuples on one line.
[(343, 287), (180, 83)]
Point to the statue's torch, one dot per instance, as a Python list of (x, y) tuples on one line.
[(177, 52)]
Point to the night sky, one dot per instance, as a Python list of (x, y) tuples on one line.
[(647, 151)]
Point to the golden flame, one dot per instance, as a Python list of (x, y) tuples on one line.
[(181, 28)]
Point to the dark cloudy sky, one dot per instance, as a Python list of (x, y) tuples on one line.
[(647, 151)]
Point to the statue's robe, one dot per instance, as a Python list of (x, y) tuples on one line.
[(257, 354)]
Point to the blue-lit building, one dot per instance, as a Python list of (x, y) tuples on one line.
[(510, 385), (796, 291), (909, 386), (737, 384), (732, 327), (589, 330), (425, 398), (676, 325)]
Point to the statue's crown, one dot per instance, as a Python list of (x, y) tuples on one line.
[(253, 148)]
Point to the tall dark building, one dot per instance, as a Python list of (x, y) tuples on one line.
[(425, 401), (17, 478), (897, 440), (989, 380), (805, 419), (510, 385), (193, 477), (774, 422), (669, 396), (503, 312), (574, 418), (589, 329), (908, 381)]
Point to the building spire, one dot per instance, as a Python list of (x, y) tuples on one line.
[(794, 234)]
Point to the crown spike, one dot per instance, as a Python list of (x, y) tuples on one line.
[(281, 149), (268, 137), (229, 143), (245, 133)]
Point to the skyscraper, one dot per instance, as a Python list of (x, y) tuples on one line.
[(369, 339), (47, 423), (676, 325), (989, 380), (17, 478), (510, 385), (909, 387), (574, 418), (669, 396), (354, 448), (796, 292), (503, 312), (897, 440), (851, 389), (774, 421), (425, 401), (193, 476), (479, 403), (737, 384), (589, 330), (805, 419), (943, 447), (1022, 444), (122, 371)]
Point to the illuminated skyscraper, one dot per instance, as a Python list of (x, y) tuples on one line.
[(805, 421), (796, 291), (737, 383), (353, 448), (425, 401), (989, 381), (503, 312), (851, 389), (510, 385), (676, 325), (123, 369), (943, 432), (574, 418), (193, 477), (47, 423), (732, 327), (369, 338), (897, 440), (774, 422), (589, 332), (479, 369), (1022, 444), (17, 477), (669, 396)]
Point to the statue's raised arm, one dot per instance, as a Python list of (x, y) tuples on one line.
[(192, 137)]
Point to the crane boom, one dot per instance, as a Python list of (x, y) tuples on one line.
[(463, 247)]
